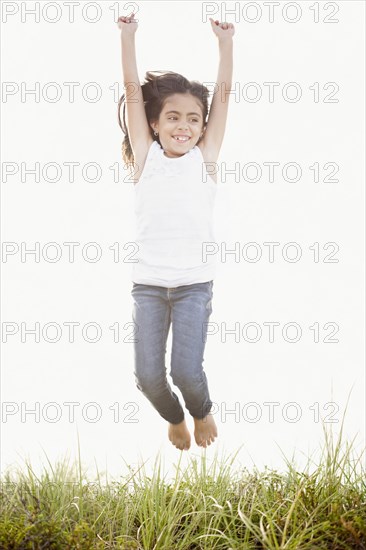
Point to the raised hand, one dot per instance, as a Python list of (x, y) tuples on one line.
[(128, 25), (222, 30)]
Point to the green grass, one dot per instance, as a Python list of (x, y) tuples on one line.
[(203, 507)]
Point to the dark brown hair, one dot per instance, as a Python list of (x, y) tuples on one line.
[(156, 89)]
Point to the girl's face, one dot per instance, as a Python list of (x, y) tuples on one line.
[(180, 124)]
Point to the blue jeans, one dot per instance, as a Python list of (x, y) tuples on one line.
[(188, 309)]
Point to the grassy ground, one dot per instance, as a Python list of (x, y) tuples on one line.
[(204, 507)]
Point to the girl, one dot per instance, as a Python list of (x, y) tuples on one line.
[(169, 140)]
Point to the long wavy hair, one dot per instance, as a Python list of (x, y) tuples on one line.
[(156, 89)]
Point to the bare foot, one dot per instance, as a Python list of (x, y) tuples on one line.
[(205, 430), (179, 435)]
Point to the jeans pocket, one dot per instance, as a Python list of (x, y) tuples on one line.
[(209, 306)]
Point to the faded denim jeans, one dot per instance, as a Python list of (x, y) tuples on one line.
[(188, 309)]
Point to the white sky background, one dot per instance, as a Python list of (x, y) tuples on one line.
[(175, 36)]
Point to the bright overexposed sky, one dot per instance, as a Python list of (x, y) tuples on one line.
[(80, 382)]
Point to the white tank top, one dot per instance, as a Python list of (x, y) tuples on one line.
[(174, 203)]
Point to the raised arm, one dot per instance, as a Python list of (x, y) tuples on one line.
[(215, 128), (137, 125)]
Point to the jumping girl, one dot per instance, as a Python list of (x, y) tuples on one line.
[(170, 139)]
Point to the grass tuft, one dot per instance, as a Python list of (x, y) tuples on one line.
[(206, 506)]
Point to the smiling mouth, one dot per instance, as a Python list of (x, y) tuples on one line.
[(181, 139)]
